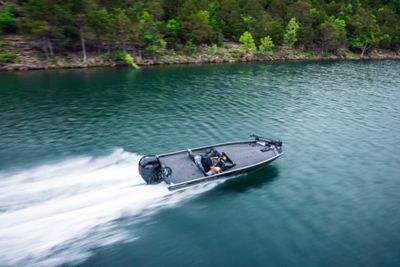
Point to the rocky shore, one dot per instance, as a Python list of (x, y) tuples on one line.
[(29, 57)]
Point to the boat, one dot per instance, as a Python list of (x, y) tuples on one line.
[(186, 168)]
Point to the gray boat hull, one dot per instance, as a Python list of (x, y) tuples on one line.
[(247, 155)]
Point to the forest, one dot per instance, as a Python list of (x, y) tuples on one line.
[(154, 26)]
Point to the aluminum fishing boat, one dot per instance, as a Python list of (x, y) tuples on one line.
[(187, 167)]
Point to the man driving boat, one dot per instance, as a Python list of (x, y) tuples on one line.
[(210, 163)]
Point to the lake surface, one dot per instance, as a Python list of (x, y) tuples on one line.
[(70, 140)]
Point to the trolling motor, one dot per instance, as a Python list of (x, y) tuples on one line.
[(152, 171), (269, 142)]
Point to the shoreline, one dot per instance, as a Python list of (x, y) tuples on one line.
[(62, 63), (29, 58)]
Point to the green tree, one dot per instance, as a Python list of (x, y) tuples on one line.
[(275, 28), (332, 36), (100, 21), (231, 23), (171, 31), (290, 37), (266, 45), (389, 24), (385, 41), (196, 28), (126, 25), (8, 22), (363, 30), (41, 20), (247, 40)]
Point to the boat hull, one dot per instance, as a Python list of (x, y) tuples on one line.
[(247, 155), (226, 175)]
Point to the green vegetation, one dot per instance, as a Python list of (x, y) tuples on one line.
[(237, 52), (190, 47), (290, 37), (266, 45), (8, 22), (7, 57), (127, 58), (153, 27), (247, 40), (213, 49), (3, 43)]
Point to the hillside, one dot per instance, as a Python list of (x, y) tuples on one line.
[(153, 30)]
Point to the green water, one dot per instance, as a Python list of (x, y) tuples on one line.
[(70, 140)]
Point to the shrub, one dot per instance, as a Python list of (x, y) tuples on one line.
[(7, 57), (126, 57), (156, 47), (120, 56), (213, 49), (8, 23), (3, 43), (129, 59), (172, 26), (237, 52), (266, 45), (190, 47), (247, 40)]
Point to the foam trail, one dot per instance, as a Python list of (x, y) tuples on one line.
[(56, 213)]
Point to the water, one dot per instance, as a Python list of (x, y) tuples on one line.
[(70, 140)]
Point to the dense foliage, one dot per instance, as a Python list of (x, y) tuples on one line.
[(152, 26)]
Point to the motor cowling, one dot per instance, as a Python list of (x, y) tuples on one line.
[(150, 169)]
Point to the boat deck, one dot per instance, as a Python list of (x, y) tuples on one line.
[(243, 154)]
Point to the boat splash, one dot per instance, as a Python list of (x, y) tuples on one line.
[(55, 214)]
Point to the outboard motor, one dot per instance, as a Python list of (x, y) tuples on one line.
[(151, 170)]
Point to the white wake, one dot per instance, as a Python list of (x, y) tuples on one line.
[(56, 213)]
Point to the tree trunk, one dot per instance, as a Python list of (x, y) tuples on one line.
[(98, 44), (50, 46), (364, 49), (83, 44), (44, 42)]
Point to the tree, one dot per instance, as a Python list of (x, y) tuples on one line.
[(81, 17), (41, 20), (321, 25), (196, 28), (275, 28), (389, 24), (100, 21), (266, 45), (247, 40), (254, 18), (301, 10), (8, 22), (231, 24), (290, 37), (332, 36), (363, 31)]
